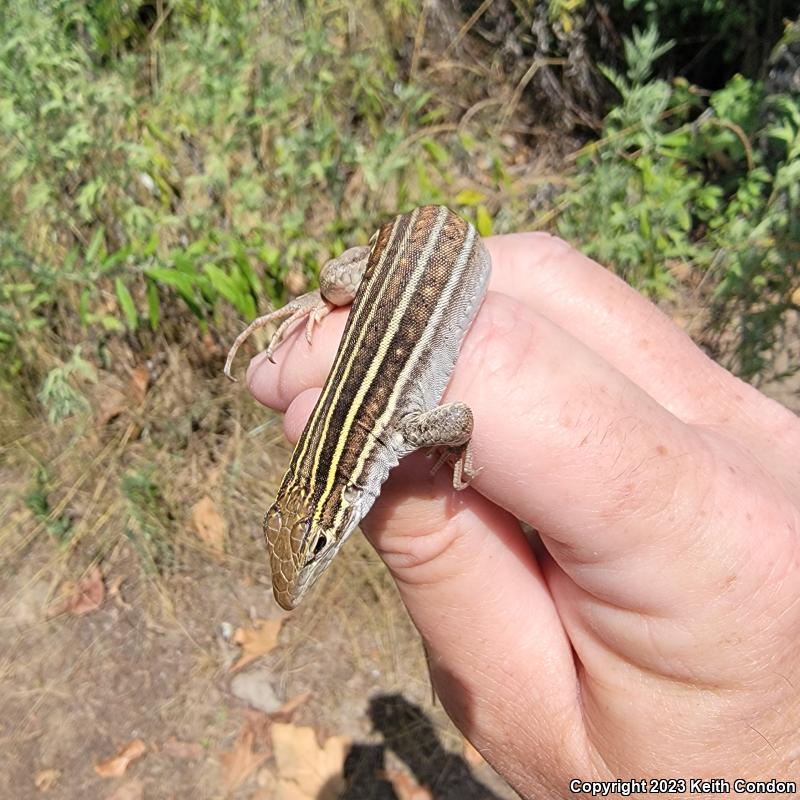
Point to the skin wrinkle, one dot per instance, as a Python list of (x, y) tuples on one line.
[(501, 365), (593, 638), (506, 369), (414, 552), (712, 633), (421, 552)]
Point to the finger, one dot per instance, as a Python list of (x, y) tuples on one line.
[(298, 412), (473, 587), (605, 313), (613, 481), (297, 365)]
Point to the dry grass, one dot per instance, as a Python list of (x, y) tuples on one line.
[(152, 661)]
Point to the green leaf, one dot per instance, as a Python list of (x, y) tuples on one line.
[(94, 245), (183, 283), (111, 323), (437, 152), (83, 307), (223, 283), (126, 304), (153, 305), (152, 244), (469, 197), (246, 270), (483, 221), (118, 257)]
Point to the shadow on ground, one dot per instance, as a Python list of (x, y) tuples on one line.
[(409, 734)]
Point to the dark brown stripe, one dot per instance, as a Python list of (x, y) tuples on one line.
[(369, 289), (412, 326)]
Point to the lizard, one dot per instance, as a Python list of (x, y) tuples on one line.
[(415, 290)]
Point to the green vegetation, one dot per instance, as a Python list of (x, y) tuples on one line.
[(169, 170), (148, 518), (705, 180), (205, 156), (58, 525), (212, 154)]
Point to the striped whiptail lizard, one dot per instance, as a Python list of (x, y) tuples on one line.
[(414, 291)]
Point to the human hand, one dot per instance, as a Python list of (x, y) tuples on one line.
[(655, 631)]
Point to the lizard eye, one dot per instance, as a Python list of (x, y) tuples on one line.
[(320, 544)]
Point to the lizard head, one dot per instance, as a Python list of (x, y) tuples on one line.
[(302, 542)]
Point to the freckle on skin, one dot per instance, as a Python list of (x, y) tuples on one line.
[(662, 450), (730, 580), (748, 516)]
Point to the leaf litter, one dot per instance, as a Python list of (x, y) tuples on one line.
[(305, 768), (115, 767), (256, 641), (242, 760), (45, 779), (81, 597), (210, 525)]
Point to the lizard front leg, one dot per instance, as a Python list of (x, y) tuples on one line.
[(448, 425), (338, 280)]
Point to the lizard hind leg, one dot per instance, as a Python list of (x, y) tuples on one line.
[(338, 280), (449, 426), (310, 305)]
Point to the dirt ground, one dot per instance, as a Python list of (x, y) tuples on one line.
[(120, 639)]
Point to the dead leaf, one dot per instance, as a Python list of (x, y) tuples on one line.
[(404, 785), (257, 641), (191, 751), (80, 598), (115, 592), (306, 770), (130, 790), (265, 779), (259, 723), (45, 779), (470, 753), (266, 782), (241, 761), (209, 524), (290, 706), (795, 296), (140, 378), (116, 766)]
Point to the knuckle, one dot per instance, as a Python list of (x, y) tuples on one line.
[(420, 557)]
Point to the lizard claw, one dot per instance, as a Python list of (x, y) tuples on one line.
[(309, 305), (318, 313)]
